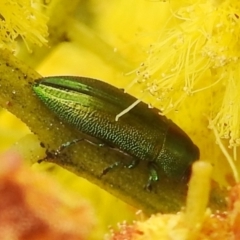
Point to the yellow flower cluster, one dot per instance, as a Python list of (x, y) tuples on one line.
[(21, 18), (198, 51)]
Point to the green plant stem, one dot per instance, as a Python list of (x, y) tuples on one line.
[(85, 159)]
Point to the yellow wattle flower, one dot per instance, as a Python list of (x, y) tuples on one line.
[(197, 57), (200, 51), (22, 18)]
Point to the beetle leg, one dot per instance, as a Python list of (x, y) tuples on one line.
[(133, 164), (67, 144), (107, 169), (53, 154), (153, 176)]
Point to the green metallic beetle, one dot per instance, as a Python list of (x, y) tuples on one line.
[(91, 106)]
